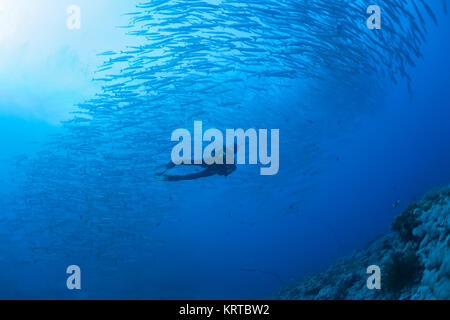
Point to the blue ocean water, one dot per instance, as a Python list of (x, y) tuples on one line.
[(83, 192)]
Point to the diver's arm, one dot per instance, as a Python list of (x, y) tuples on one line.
[(170, 165), (162, 169)]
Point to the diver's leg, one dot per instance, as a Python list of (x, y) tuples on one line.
[(192, 176), (172, 165)]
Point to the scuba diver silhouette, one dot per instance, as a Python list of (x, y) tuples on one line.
[(209, 169)]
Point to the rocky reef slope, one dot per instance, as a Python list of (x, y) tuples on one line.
[(414, 259)]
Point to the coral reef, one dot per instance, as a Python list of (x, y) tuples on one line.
[(414, 260)]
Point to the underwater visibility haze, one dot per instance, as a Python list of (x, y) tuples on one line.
[(92, 93)]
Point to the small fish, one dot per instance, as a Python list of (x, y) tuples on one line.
[(395, 204), (106, 53)]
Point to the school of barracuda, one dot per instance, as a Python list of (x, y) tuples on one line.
[(193, 59)]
